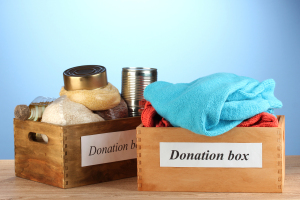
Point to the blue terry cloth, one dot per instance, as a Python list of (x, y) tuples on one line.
[(214, 104)]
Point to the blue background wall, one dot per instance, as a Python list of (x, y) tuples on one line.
[(184, 40)]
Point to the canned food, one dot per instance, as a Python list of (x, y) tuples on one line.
[(134, 82)]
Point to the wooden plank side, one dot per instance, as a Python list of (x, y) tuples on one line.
[(105, 126), (282, 161), (75, 175), (152, 177), (38, 161)]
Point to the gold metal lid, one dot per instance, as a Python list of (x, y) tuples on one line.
[(85, 77)]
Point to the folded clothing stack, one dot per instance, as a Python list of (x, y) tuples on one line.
[(150, 118), (214, 104)]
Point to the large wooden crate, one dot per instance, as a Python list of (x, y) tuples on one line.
[(269, 178), (58, 163)]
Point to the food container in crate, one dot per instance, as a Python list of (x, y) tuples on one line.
[(244, 159), (64, 162)]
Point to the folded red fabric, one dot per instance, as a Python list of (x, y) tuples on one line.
[(150, 118), (261, 120)]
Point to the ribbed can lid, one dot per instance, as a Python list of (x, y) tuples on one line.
[(85, 77)]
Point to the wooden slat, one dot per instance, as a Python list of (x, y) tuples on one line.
[(281, 125), (75, 175), (152, 177)]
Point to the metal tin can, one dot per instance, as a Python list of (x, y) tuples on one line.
[(85, 77), (134, 81)]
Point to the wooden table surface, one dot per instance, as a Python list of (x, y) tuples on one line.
[(12, 187)]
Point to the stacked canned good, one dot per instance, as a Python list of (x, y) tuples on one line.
[(134, 81)]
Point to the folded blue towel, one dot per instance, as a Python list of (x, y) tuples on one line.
[(214, 104)]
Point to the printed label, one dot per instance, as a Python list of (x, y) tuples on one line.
[(225, 155), (108, 147)]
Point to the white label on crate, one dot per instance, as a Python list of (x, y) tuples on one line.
[(108, 147), (225, 155)]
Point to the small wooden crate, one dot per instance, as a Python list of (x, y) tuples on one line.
[(58, 163), (269, 178)]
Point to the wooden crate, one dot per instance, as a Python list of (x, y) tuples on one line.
[(269, 178), (58, 163)]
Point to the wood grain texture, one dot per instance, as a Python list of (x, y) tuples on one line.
[(281, 125), (38, 161), (58, 163), (269, 178), (75, 175), (12, 187)]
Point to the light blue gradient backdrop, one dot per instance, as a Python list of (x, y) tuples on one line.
[(184, 40)]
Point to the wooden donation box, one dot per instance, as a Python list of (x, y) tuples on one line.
[(244, 159), (76, 155)]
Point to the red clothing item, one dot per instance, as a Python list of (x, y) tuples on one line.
[(142, 105), (261, 120), (150, 118)]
